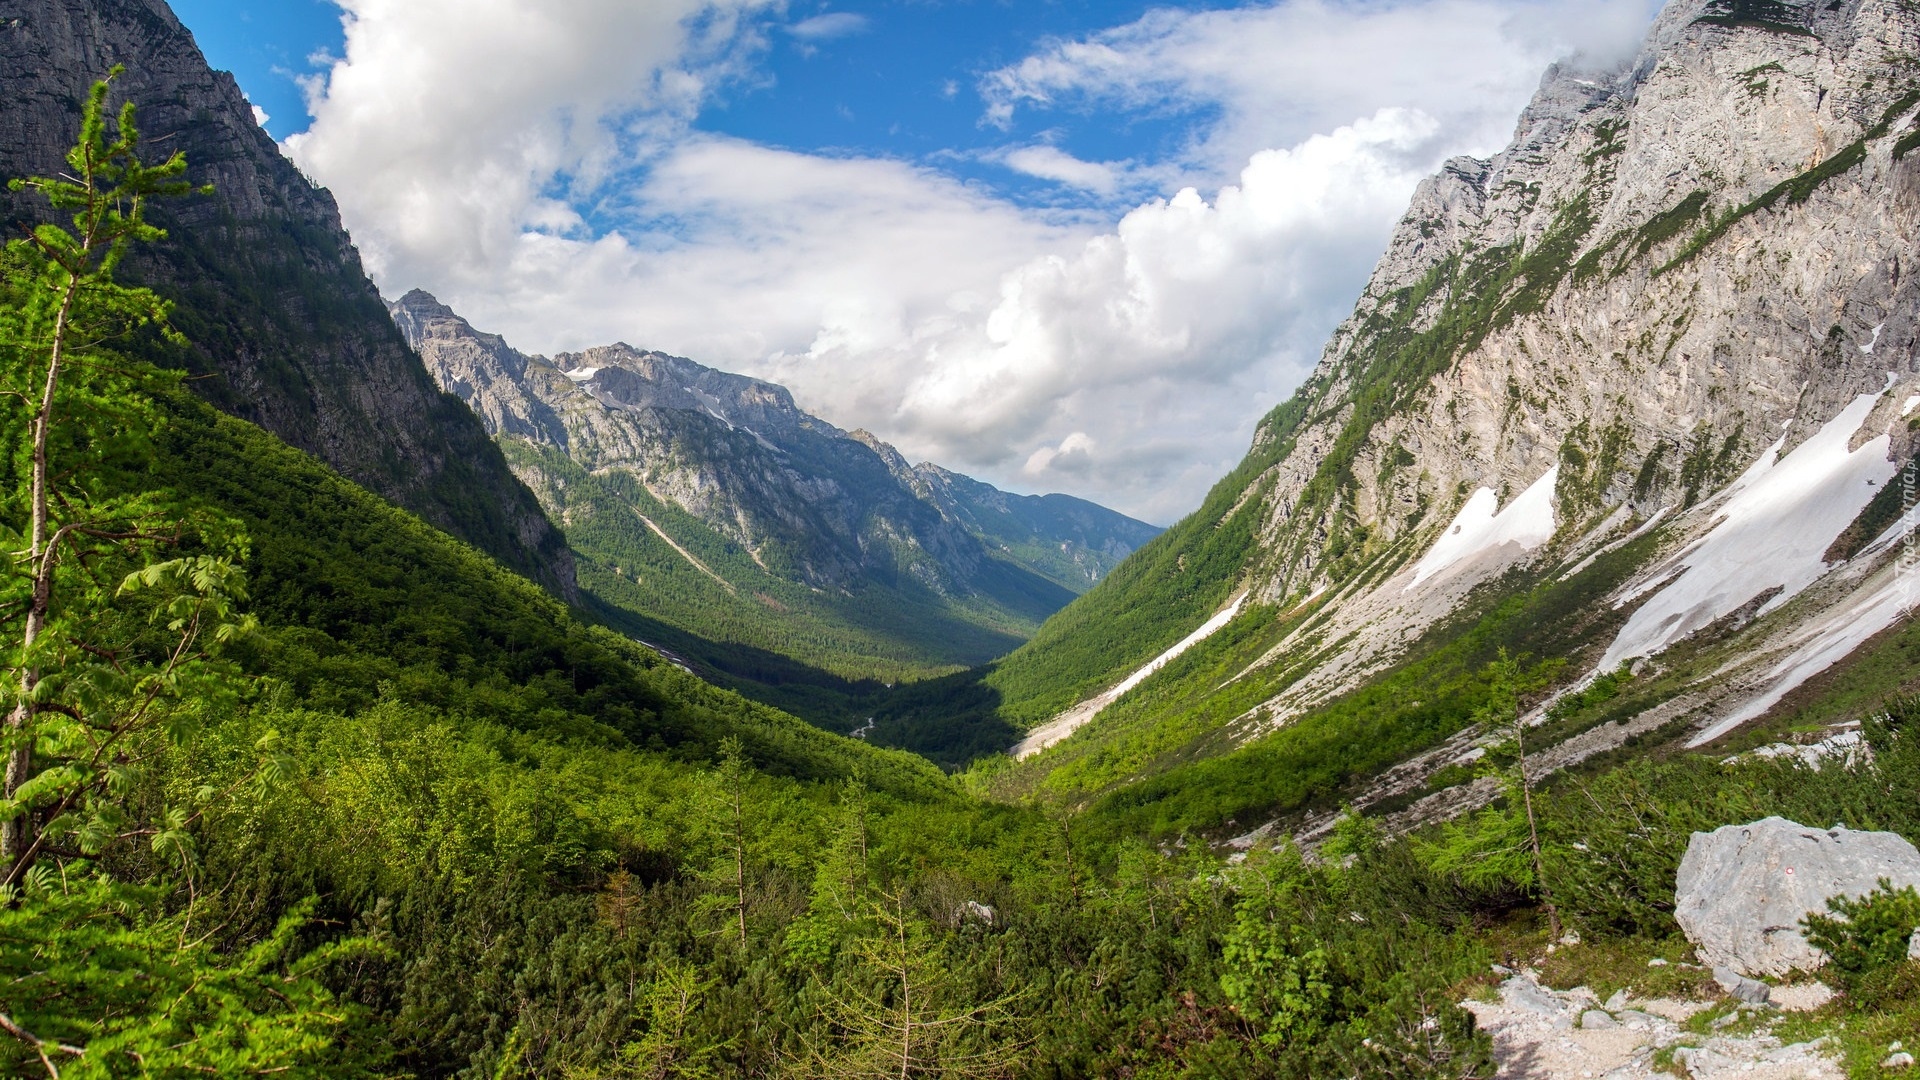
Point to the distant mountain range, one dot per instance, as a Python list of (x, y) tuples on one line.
[(712, 504)]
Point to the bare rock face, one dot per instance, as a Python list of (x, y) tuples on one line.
[(1682, 271), (284, 328), (828, 507), (1743, 889)]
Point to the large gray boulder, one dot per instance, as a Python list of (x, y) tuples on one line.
[(1743, 889)]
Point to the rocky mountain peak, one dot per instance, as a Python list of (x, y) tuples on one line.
[(282, 323), (1677, 312), (740, 456)]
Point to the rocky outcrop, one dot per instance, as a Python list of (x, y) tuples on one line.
[(281, 320), (1682, 301), (830, 507), (1743, 889)]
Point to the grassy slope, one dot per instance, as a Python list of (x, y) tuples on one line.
[(370, 604), (886, 631), (1158, 761), (1153, 599)]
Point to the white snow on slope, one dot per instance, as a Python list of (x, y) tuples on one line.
[(1067, 722), (582, 374), (1874, 340), (1527, 521), (1780, 519), (1818, 646), (1907, 406)]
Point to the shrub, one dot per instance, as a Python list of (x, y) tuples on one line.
[(1867, 937)]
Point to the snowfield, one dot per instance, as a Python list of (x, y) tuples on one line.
[(1777, 523), (1526, 521)]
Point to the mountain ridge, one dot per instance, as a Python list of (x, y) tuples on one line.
[(1607, 325), (795, 515)]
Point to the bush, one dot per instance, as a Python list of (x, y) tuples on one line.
[(1865, 938)]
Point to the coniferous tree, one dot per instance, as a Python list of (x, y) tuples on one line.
[(115, 653)]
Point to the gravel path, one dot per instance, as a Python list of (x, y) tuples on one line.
[(1542, 1034)]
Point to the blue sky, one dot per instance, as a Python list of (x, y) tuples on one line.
[(1058, 245), (886, 79)]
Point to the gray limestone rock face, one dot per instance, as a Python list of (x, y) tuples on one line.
[(834, 507), (282, 326), (1743, 889)]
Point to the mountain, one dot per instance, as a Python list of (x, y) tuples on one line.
[(713, 504), (286, 330), (1634, 399)]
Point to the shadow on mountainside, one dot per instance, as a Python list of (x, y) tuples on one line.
[(951, 720)]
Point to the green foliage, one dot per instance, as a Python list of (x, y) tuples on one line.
[(102, 983), (1312, 759), (1274, 972), (1866, 936), (116, 655), (880, 630)]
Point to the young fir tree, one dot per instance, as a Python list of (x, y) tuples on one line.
[(725, 825), (902, 1010), (117, 602), (1501, 844)]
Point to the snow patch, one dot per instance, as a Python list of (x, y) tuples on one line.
[(1821, 645), (582, 374), (1206, 631), (1907, 406), (1066, 723), (1872, 341), (1778, 522), (1526, 521)]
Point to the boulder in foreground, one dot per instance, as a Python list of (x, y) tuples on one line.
[(1743, 889)]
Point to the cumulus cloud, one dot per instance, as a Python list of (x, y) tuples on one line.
[(1279, 72), (448, 131), (1182, 324), (540, 170)]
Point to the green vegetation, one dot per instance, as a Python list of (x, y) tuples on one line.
[(1174, 583), (1157, 761), (1152, 600), (1865, 939), (1769, 15), (307, 787), (886, 632)]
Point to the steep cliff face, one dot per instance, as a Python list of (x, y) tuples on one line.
[(270, 291), (743, 471), (1661, 349)]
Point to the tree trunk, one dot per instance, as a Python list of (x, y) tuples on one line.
[(1533, 830), (15, 832)]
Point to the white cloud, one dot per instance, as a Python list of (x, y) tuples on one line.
[(1280, 72), (536, 166), (1052, 163), (833, 24), (1073, 455), (448, 128)]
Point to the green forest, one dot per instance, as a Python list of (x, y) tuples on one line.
[(299, 786)]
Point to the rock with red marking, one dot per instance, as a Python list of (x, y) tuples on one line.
[(1743, 889)]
